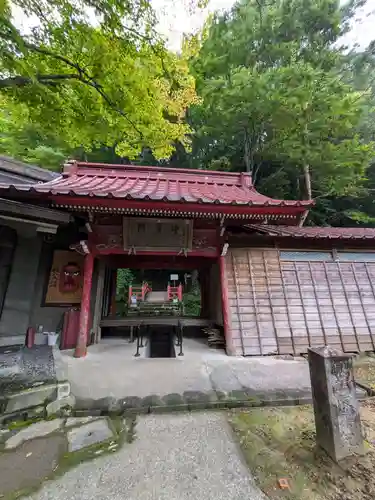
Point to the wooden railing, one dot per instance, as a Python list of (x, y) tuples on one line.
[(175, 292), (139, 291)]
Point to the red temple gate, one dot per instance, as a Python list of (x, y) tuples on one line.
[(148, 216)]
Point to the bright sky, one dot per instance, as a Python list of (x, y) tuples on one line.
[(176, 20), (363, 31)]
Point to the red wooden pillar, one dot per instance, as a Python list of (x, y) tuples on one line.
[(84, 317), (225, 307)]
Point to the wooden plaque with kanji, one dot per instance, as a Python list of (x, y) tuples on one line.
[(157, 234)]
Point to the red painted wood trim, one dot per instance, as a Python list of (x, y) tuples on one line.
[(225, 307), (174, 291), (282, 208), (70, 329), (120, 251), (30, 337), (139, 263), (84, 317)]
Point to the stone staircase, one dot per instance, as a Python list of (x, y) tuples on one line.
[(155, 303), (156, 297), (161, 343)]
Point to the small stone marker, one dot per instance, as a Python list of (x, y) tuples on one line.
[(337, 420), (88, 434)]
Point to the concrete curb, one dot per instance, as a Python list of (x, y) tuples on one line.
[(100, 408), (191, 401)]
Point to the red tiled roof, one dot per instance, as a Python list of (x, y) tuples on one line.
[(157, 184), (344, 233)]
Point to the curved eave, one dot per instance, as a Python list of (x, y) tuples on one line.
[(258, 209), (85, 187), (256, 212)]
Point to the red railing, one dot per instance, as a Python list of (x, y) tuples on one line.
[(139, 291), (175, 292)]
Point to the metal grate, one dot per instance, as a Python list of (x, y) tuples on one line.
[(356, 256), (306, 256)]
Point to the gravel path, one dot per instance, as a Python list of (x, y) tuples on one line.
[(187, 456)]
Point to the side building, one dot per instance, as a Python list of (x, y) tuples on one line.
[(26, 232)]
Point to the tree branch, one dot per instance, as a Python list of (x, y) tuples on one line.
[(98, 88), (82, 76), (21, 81), (58, 57)]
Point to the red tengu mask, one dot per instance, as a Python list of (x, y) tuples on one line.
[(70, 278)]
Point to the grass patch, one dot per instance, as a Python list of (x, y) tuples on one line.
[(364, 370), (279, 443)]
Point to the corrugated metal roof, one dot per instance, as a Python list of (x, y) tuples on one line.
[(156, 184), (317, 232)]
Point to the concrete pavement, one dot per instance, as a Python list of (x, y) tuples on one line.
[(110, 369), (184, 456)]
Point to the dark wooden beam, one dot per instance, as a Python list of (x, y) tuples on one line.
[(32, 212)]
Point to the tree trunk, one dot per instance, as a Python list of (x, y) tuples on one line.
[(307, 195), (307, 177), (247, 155)]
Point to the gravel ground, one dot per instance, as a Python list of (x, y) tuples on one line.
[(186, 456)]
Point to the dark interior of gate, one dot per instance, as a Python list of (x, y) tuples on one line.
[(163, 300)]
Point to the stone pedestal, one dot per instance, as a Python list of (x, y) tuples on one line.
[(337, 420)]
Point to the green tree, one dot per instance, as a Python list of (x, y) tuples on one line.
[(25, 141), (359, 71), (95, 73), (274, 100)]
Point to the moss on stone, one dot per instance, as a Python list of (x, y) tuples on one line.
[(192, 397), (173, 399), (152, 400), (124, 432)]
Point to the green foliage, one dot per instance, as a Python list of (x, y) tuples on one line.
[(125, 278), (272, 93), (277, 95), (192, 303), (96, 74), (26, 141)]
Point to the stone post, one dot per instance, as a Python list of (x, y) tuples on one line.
[(337, 420)]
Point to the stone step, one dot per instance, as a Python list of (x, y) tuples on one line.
[(156, 297)]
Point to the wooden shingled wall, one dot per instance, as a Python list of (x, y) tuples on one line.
[(283, 307)]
